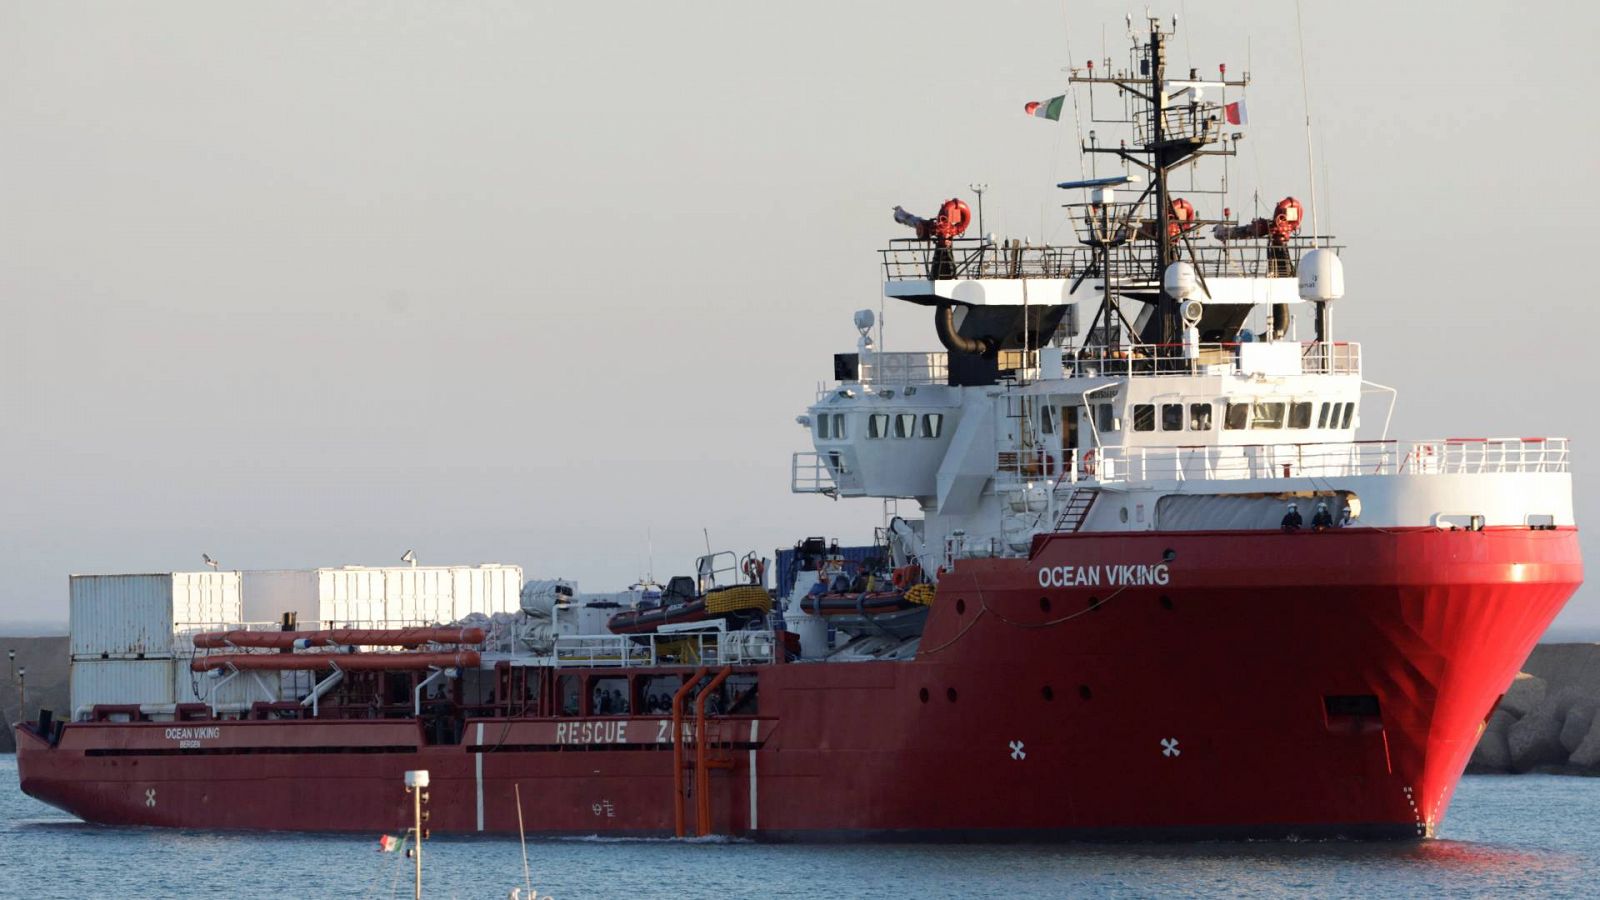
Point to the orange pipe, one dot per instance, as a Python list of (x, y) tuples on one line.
[(370, 637), (702, 768), (350, 662), (677, 747)]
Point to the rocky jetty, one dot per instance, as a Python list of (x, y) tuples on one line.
[(1547, 720)]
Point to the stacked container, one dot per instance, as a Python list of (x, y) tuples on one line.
[(385, 597), (125, 631)]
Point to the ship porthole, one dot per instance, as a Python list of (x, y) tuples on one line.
[(1166, 602), (1123, 514), (923, 695), (1048, 692), (1044, 604), (1169, 555), (950, 694), (961, 607), (1084, 692)]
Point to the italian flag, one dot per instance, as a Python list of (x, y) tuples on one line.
[(1049, 109), (389, 843)]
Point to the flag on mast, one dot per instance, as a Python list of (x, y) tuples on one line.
[(388, 843), (1236, 113), (1049, 109)]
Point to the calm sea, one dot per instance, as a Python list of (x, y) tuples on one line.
[(1528, 835)]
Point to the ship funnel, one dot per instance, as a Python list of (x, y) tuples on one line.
[(1321, 276)]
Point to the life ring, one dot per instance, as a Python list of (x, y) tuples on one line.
[(1086, 462), (754, 570)]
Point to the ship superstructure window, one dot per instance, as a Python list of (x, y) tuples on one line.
[(1349, 410), (878, 425), (1172, 417), (570, 692), (1144, 417), (1238, 416), (1267, 415), (905, 425), (932, 424), (838, 426), (1199, 417), (1322, 417), (830, 427), (1105, 417), (1047, 421), (1300, 415)]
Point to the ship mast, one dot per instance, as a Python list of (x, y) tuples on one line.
[(1172, 138)]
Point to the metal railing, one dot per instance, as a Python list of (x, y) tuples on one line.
[(1131, 361), (1453, 456), (811, 472), (665, 649), (909, 259)]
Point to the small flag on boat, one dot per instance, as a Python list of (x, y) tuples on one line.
[(1049, 109), (1236, 113), (389, 843)]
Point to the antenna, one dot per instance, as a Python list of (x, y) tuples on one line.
[(979, 189), (1305, 97)]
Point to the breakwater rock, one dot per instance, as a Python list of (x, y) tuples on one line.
[(1547, 721)]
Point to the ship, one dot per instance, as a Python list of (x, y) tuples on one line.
[(1138, 578)]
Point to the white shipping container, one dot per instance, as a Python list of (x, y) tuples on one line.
[(121, 681), (421, 595), (135, 616), (266, 595)]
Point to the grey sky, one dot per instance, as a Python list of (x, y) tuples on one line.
[(303, 284)]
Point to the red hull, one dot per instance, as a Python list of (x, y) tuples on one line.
[(1197, 707)]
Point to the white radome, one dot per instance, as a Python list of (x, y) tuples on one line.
[(1321, 276), (1180, 280)]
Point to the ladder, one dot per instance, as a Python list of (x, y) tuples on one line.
[(1076, 509), (711, 751)]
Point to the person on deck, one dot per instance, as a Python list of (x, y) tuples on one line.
[(1322, 520), (1291, 520)]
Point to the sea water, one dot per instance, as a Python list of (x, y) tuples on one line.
[(1523, 835)]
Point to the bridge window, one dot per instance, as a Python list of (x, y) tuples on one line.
[(1300, 415), (838, 426), (1199, 417), (1144, 417), (933, 424), (1349, 410), (905, 425), (1105, 417), (1047, 422), (1172, 417), (1322, 417), (1238, 416), (1267, 415), (878, 425)]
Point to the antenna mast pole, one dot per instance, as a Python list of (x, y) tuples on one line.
[(1166, 308)]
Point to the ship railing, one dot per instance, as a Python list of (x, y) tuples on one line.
[(710, 647), (910, 259), (1199, 122), (811, 472), (1452, 456), (1146, 360)]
